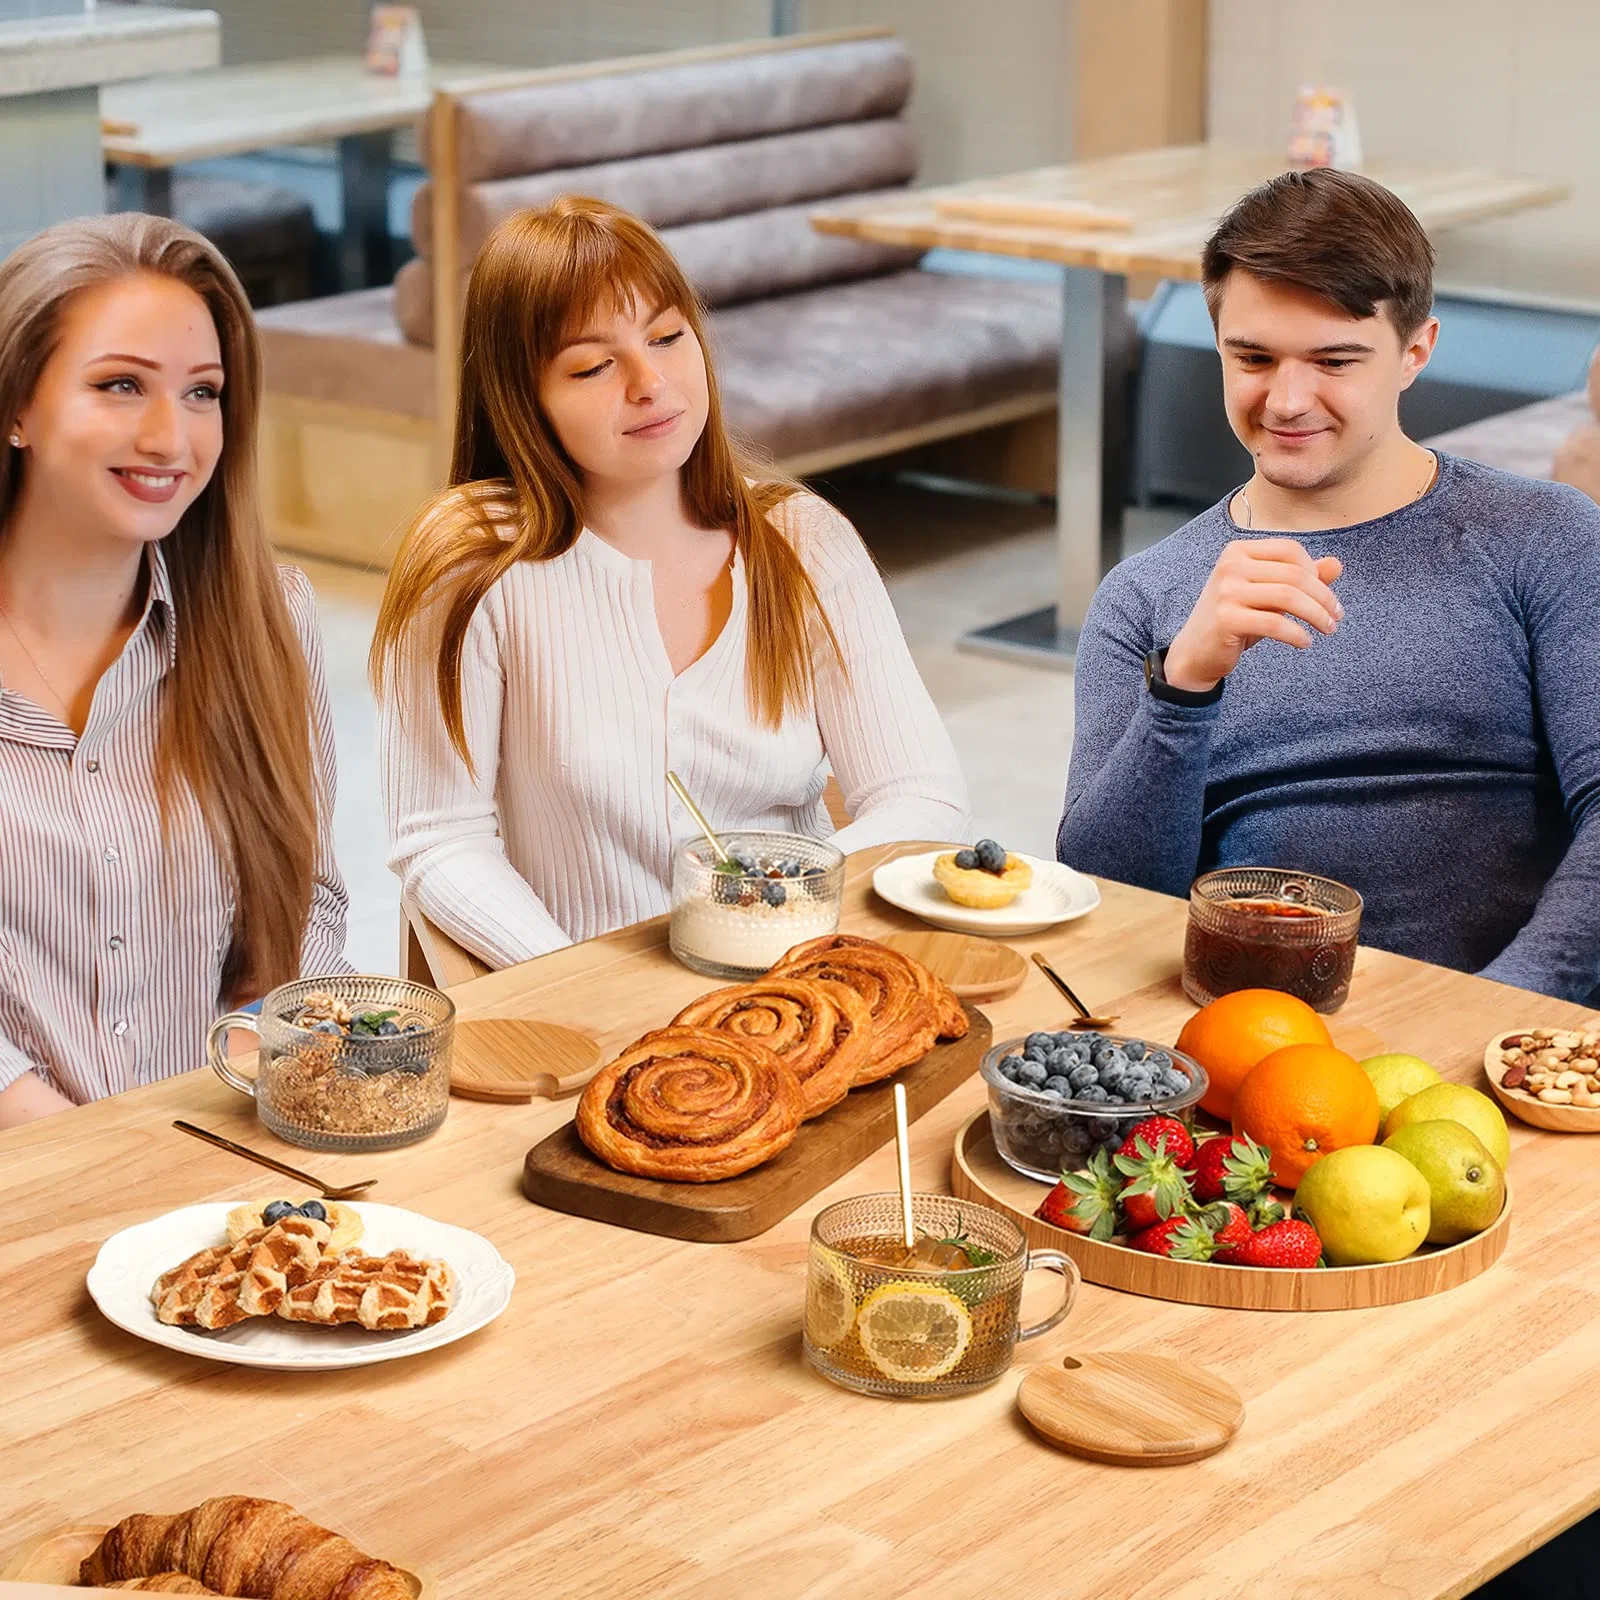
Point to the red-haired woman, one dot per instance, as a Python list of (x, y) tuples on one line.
[(608, 590), (166, 759)]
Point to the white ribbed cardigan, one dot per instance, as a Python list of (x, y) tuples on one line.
[(573, 716)]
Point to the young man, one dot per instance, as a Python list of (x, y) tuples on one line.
[(1369, 662)]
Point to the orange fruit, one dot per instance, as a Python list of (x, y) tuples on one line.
[(1236, 1030), (1302, 1102)]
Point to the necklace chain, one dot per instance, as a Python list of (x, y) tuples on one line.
[(34, 662), (1433, 473)]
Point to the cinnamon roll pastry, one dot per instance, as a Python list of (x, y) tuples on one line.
[(692, 1105), (953, 1019), (822, 1031), (906, 1015)]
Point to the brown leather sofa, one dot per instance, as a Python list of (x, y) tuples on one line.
[(830, 350)]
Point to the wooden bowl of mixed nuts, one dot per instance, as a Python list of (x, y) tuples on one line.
[(1548, 1077)]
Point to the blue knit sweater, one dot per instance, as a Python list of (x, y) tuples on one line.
[(1440, 752)]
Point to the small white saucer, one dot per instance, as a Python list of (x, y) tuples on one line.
[(1057, 894)]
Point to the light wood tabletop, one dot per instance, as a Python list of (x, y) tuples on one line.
[(1151, 213), (1171, 198), (641, 1422), (194, 116)]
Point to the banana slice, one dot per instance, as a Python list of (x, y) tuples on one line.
[(344, 1225)]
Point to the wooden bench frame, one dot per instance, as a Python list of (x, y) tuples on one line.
[(343, 481)]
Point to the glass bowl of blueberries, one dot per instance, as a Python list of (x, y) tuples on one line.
[(1056, 1098)]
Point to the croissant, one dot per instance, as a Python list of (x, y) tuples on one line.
[(239, 1545), (162, 1583)]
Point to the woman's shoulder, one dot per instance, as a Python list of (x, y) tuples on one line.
[(822, 535)]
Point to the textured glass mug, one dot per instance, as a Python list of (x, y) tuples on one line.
[(840, 1285), (1271, 928), (328, 1092)]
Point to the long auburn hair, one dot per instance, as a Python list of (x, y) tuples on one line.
[(515, 494), (234, 740)]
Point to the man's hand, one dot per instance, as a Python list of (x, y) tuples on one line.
[(1255, 589)]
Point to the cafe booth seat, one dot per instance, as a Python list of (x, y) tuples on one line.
[(828, 350), (267, 232)]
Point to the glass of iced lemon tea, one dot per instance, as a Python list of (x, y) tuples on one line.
[(939, 1320)]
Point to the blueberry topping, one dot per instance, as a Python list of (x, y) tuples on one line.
[(1031, 1073), (773, 892), (314, 1209), (276, 1211), (1058, 1086), (326, 1025), (743, 860), (967, 860), (991, 857), (1037, 1045)]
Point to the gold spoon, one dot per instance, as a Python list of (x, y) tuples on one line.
[(1085, 1017), (328, 1191), (700, 821)]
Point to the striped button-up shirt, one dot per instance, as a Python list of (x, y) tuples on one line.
[(112, 938)]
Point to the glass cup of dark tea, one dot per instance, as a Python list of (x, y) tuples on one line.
[(1271, 928)]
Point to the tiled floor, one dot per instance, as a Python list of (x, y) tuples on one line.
[(952, 562)]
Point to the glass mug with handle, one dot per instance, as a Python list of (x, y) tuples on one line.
[(325, 1087), (879, 1325)]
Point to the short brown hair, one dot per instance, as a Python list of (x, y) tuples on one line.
[(1334, 234)]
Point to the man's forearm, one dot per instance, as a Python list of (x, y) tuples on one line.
[(1138, 815), (1558, 950)]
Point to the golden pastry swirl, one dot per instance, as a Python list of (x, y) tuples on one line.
[(823, 1031), (952, 1017), (690, 1104), (907, 1003)]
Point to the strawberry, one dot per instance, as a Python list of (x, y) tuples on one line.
[(1231, 1168), (1156, 1187), (1229, 1222), (1178, 1238), (1084, 1202), (1161, 1133), (1290, 1243)]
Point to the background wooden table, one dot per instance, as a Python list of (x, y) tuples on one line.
[(1174, 198), (156, 124), (640, 1422)]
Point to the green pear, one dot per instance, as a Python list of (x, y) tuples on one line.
[(1466, 1185), (1455, 1102)]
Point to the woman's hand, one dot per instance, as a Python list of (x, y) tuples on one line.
[(29, 1099)]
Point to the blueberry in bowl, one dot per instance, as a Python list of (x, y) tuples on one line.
[(1056, 1098)]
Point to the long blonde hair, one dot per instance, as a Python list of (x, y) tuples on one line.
[(516, 494), (235, 727)]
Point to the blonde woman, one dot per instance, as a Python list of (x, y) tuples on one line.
[(608, 591), (166, 762)]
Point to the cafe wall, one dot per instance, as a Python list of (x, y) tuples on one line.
[(1457, 82)]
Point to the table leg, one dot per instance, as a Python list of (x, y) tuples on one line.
[(1091, 468), (364, 235), (144, 189)]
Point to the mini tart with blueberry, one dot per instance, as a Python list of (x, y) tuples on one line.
[(346, 1228), (986, 877)]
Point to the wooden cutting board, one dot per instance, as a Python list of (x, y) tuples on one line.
[(974, 969), (1131, 1409), (560, 1173), (511, 1059)]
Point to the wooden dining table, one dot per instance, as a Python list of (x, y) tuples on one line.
[(1145, 213), (641, 1421)]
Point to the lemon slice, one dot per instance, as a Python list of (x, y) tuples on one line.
[(830, 1301), (913, 1332)]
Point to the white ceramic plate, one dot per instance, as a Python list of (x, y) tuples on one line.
[(129, 1263), (1057, 894)]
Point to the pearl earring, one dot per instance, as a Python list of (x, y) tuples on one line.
[(16, 440)]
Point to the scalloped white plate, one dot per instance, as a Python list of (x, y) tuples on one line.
[(129, 1263), (1057, 894)]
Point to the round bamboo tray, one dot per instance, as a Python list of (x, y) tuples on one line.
[(977, 1173), (1529, 1108)]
